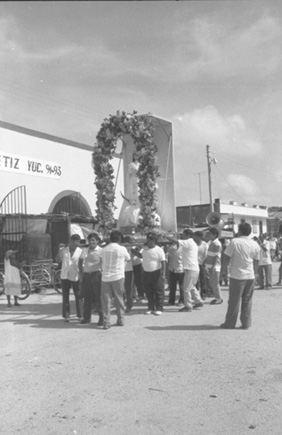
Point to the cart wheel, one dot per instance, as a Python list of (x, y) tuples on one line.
[(2, 288), (25, 287), (40, 278), (57, 281)]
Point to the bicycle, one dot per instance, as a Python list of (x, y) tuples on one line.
[(44, 274), (40, 274), (25, 285), (56, 277)]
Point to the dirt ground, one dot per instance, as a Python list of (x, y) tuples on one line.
[(177, 374)]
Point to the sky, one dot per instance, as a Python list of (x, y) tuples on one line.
[(213, 68)]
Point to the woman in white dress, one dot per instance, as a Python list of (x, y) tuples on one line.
[(12, 278)]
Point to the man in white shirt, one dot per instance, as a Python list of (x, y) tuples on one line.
[(70, 274), (113, 257), (191, 270), (265, 264), (202, 255), (213, 265), (176, 273), (243, 255), (90, 264)]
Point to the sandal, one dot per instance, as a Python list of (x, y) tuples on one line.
[(216, 302)]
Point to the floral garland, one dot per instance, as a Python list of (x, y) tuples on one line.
[(141, 129)]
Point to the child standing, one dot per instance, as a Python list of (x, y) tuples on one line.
[(12, 278)]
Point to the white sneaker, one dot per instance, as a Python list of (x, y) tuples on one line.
[(158, 313), (149, 312)]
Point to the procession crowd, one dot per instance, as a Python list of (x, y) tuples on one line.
[(196, 264)]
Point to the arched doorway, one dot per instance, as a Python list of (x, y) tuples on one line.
[(70, 202)]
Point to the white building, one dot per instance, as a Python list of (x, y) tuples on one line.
[(54, 171), (230, 212), (234, 214), (47, 191)]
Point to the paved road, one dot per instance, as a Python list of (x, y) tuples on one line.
[(177, 374)]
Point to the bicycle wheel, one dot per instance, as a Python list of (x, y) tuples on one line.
[(2, 288), (57, 281), (40, 278), (25, 287)]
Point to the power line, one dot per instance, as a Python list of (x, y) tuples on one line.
[(242, 165), (232, 187)]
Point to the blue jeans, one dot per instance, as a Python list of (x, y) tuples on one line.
[(109, 290), (214, 283), (265, 271), (240, 291)]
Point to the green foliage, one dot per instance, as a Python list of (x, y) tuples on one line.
[(112, 129)]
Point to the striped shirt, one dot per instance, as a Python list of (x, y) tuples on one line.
[(214, 255)]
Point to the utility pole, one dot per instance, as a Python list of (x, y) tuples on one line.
[(200, 186), (209, 177)]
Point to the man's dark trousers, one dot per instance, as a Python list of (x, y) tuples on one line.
[(91, 285), (66, 286), (154, 290), (175, 278)]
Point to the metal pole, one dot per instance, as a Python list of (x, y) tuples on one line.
[(209, 177)]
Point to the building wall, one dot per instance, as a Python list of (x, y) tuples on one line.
[(49, 167), (195, 214)]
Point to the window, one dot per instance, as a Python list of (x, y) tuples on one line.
[(255, 226)]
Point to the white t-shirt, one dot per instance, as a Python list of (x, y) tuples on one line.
[(189, 254), (242, 251), (152, 258), (91, 259), (128, 264), (265, 258), (202, 252), (70, 268), (113, 257)]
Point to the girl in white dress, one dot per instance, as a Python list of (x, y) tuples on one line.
[(12, 278)]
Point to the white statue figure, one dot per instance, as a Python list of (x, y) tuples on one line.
[(131, 192), (130, 210)]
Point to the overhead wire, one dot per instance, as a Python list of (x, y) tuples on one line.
[(44, 99), (232, 187)]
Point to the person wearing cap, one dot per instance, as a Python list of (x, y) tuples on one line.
[(154, 273), (90, 265), (12, 278), (191, 270)]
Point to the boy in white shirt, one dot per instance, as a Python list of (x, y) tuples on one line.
[(154, 273)]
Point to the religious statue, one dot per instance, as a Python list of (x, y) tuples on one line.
[(130, 210)]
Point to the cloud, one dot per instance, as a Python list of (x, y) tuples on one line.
[(243, 185), (89, 61), (211, 46), (224, 133)]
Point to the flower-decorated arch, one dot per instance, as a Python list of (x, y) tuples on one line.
[(141, 130)]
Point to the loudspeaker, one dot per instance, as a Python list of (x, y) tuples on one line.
[(213, 219)]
